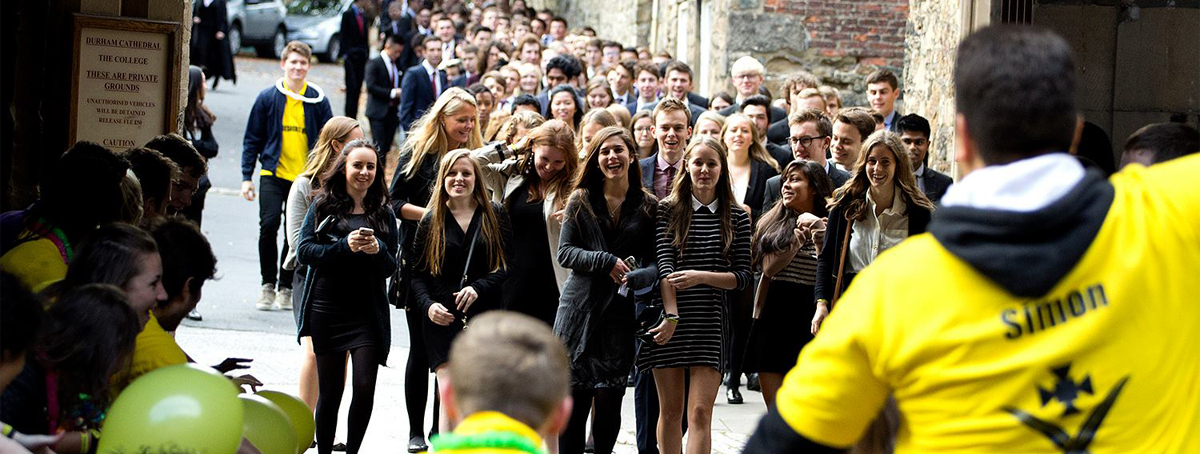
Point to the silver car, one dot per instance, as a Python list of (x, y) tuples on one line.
[(318, 23), (258, 23)]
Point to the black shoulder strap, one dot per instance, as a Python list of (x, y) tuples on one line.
[(470, 253)]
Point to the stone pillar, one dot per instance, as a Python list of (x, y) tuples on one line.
[(934, 30)]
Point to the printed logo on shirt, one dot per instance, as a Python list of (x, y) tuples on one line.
[(1066, 390), (288, 128), (1037, 316)]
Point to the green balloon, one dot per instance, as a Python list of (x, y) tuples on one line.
[(181, 408), (267, 427), (298, 413)]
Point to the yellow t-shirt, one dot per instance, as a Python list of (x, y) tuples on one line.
[(293, 152), (37, 263), (155, 348), (1108, 361)]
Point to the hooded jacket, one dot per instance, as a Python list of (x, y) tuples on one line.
[(1069, 325)]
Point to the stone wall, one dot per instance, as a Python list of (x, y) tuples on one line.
[(931, 39)]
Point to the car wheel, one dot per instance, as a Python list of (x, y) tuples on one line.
[(279, 42), (332, 50), (235, 38)]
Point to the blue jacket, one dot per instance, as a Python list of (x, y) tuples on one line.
[(264, 134)]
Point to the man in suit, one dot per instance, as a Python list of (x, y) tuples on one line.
[(646, 79), (677, 79), (882, 90), (915, 133), (620, 77), (355, 26), (422, 84), (757, 107), (383, 90), (811, 133), (560, 70), (747, 75)]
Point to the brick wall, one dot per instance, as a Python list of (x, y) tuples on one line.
[(871, 31)]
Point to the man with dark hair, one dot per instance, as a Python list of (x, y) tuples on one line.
[(192, 168), (283, 126), (610, 53), (851, 126), (645, 79), (620, 78), (560, 70), (383, 93), (1160, 142), (758, 108), (915, 135), (481, 36), (882, 90), (422, 84), (356, 25), (811, 133), (156, 173), (678, 79), (526, 101), (1039, 339), (558, 30), (444, 29)]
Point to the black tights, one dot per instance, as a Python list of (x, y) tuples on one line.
[(606, 423), (331, 379), (416, 378)]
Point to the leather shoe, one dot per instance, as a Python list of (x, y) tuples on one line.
[(752, 383), (733, 395), (417, 444)]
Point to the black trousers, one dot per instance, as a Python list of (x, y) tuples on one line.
[(383, 131), (356, 69), (272, 196)]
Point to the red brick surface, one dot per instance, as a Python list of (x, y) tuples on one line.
[(866, 29)]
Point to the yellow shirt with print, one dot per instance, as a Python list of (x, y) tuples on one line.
[(293, 148), (1117, 370)]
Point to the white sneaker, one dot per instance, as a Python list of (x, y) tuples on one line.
[(283, 299), (267, 300)]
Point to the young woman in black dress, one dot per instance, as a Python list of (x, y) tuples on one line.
[(785, 246), (608, 219), (703, 248), (349, 242), (451, 123), (459, 259)]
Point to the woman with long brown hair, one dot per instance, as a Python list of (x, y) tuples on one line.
[(608, 221), (703, 249), (451, 123), (459, 257), (878, 208), (785, 247)]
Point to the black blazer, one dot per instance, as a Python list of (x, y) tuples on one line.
[(777, 114), (775, 184), (778, 132), (782, 154), (353, 41), (647, 164), (831, 252), (936, 184), (379, 89), (755, 190), (695, 110), (417, 94), (697, 100)]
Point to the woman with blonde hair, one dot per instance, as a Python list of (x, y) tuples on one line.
[(336, 133), (514, 128), (709, 124), (750, 165), (878, 208), (451, 123), (530, 81), (459, 258)]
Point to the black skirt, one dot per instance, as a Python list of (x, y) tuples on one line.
[(783, 328)]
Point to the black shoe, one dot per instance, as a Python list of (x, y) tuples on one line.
[(313, 445), (194, 315), (733, 396), (752, 383), (339, 447), (417, 444), (589, 448)]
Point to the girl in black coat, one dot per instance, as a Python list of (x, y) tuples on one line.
[(459, 258), (349, 242), (608, 219), (881, 191)]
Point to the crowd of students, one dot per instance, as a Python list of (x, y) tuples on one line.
[(647, 234)]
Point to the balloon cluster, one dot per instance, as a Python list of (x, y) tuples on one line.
[(190, 409)]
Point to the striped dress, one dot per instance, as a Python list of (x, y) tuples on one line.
[(699, 336)]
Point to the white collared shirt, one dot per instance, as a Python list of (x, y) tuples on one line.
[(876, 234), (696, 204)]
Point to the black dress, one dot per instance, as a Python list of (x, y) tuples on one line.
[(429, 289), (782, 329), (340, 305), (530, 288)]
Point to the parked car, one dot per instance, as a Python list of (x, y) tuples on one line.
[(258, 23), (318, 24)]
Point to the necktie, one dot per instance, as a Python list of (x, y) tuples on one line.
[(433, 83), (358, 15)]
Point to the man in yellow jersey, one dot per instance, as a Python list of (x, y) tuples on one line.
[(284, 124), (1054, 311)]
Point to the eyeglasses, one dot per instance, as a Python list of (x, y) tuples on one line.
[(803, 141)]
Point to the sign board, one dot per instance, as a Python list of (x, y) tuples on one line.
[(125, 80)]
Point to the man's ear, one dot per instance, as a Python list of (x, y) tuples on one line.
[(558, 420), (1075, 138), (965, 152), (185, 292)]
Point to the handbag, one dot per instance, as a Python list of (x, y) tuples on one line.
[(397, 286), (648, 319)]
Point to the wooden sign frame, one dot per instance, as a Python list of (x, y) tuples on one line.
[(173, 68)]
